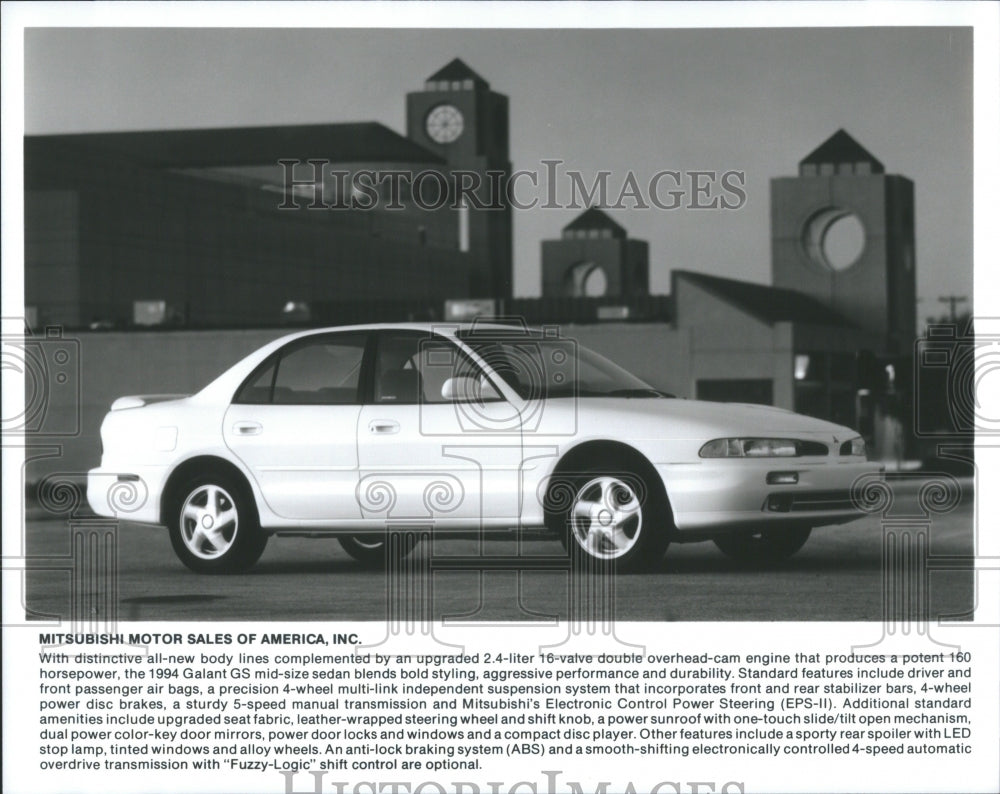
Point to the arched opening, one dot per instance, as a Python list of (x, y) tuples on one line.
[(587, 280)]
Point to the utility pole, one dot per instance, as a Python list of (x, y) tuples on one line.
[(952, 301)]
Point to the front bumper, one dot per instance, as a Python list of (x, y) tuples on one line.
[(732, 493), (132, 495)]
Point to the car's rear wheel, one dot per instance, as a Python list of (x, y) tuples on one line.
[(617, 520), (214, 526), (764, 546), (371, 549)]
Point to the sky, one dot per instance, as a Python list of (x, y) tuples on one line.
[(620, 100)]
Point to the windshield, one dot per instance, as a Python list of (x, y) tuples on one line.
[(536, 367)]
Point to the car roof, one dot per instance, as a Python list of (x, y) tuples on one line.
[(460, 329), (227, 381)]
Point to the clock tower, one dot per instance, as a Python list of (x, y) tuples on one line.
[(459, 117)]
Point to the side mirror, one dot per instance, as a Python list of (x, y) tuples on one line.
[(460, 389), (465, 389)]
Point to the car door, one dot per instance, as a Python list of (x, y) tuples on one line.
[(433, 445), (294, 424)]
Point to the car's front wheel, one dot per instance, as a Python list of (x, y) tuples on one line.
[(764, 546), (371, 549), (214, 526), (617, 520)]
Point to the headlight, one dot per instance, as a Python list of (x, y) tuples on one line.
[(749, 448), (856, 446)]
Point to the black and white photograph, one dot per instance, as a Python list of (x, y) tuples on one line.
[(675, 247), (406, 336)]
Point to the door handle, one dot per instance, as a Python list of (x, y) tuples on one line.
[(383, 426), (247, 428)]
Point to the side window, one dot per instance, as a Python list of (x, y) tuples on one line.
[(415, 368), (397, 378), (257, 389), (324, 370)]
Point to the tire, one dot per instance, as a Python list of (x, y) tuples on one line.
[(617, 519), (214, 526), (370, 548), (765, 546)]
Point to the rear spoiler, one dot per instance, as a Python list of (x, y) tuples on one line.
[(139, 400)]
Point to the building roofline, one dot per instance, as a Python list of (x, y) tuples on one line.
[(368, 141), (764, 302), (595, 218), (839, 148), (457, 69)]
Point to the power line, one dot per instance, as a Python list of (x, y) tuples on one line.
[(952, 301)]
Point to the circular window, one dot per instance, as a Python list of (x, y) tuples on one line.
[(834, 238)]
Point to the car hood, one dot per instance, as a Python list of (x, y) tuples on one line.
[(677, 418)]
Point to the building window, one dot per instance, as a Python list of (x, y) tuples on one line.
[(463, 226), (468, 85), (826, 385), (801, 366), (759, 391), (811, 366)]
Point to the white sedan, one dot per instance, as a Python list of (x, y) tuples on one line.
[(364, 433)]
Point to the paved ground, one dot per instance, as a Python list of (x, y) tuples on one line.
[(837, 576)]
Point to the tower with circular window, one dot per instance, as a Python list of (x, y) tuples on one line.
[(842, 231), (594, 258)]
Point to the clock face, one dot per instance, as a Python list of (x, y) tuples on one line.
[(445, 123)]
